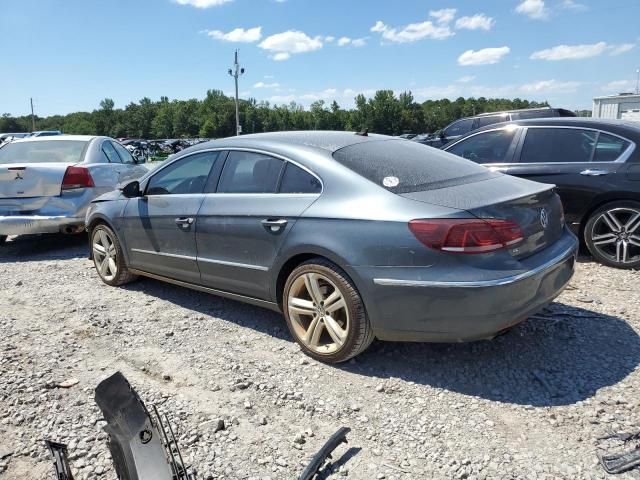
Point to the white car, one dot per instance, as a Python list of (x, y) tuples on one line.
[(47, 183)]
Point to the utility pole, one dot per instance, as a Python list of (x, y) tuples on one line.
[(235, 73), (638, 82), (33, 118)]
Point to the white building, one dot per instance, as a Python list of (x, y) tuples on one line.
[(624, 106)]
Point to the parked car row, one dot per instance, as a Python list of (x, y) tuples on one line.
[(351, 236)]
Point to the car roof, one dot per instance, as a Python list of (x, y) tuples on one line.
[(57, 138), (329, 141), (620, 127)]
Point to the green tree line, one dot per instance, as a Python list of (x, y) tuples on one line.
[(214, 116)]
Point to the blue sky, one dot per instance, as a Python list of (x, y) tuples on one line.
[(70, 54)]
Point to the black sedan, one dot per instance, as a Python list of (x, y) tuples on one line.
[(595, 165)]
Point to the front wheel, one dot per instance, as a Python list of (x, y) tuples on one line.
[(325, 313), (612, 234), (108, 258)]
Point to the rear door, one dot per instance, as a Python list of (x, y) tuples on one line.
[(130, 169), (160, 227), (582, 163), (242, 223)]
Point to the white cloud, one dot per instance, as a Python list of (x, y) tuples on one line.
[(619, 86), (486, 56), (444, 16), (237, 35), (550, 86), (480, 21), (202, 3), (620, 49), (266, 85), (579, 52), (282, 45), (466, 79), (281, 56), (534, 9), (573, 5), (329, 39), (354, 42), (414, 31)]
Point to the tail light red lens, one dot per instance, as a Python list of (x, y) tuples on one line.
[(468, 235), (77, 177)]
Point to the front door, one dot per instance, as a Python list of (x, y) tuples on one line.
[(242, 226), (160, 227)]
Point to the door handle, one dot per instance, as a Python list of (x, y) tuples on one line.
[(274, 225), (594, 172), (184, 222)]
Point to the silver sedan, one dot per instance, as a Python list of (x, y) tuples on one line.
[(350, 236), (47, 183)]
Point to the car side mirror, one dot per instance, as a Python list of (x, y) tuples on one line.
[(132, 189), (442, 135)]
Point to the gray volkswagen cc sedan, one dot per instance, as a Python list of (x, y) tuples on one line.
[(353, 237)]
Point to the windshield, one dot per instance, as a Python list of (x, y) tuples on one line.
[(403, 167), (56, 151)]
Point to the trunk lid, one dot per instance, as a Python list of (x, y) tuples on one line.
[(534, 206), (31, 180)]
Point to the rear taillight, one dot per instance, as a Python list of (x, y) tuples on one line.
[(77, 177), (468, 235)]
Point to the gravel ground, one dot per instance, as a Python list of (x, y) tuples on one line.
[(529, 404)]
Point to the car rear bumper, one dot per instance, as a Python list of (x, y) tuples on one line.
[(414, 307), (31, 224)]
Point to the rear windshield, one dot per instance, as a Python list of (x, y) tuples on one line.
[(404, 167), (57, 151)]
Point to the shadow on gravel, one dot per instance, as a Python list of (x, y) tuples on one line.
[(32, 248), (552, 361), (542, 362), (238, 313)]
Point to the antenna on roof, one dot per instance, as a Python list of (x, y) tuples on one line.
[(363, 133)]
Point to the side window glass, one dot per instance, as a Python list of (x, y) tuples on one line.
[(248, 172), (461, 127), (550, 145), (489, 147), (296, 180), (188, 175), (125, 155), (609, 148), (110, 152)]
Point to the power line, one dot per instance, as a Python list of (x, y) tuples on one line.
[(235, 73)]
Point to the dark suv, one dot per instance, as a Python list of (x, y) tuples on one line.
[(461, 127), (595, 165)]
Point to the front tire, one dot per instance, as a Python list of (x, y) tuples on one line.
[(325, 313), (612, 234), (108, 257)]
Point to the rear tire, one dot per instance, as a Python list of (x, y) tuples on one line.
[(108, 257), (612, 234), (325, 313)]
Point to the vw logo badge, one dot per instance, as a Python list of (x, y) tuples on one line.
[(544, 218)]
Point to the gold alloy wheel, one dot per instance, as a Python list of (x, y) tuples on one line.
[(104, 255), (318, 312)]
